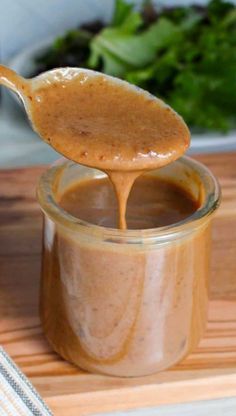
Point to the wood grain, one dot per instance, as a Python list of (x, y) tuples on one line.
[(209, 372)]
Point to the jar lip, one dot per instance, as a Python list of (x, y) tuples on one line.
[(52, 209)]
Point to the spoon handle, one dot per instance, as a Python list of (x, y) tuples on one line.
[(12, 80)]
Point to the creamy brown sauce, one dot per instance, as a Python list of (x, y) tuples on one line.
[(107, 125), (163, 203), (120, 308), (104, 123), (117, 307)]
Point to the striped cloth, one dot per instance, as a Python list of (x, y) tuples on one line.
[(17, 395)]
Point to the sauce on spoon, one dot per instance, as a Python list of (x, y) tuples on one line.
[(102, 122)]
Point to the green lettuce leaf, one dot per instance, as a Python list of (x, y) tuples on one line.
[(133, 50)]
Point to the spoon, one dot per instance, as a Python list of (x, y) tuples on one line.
[(152, 143), (102, 122)]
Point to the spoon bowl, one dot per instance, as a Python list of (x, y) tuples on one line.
[(100, 121)]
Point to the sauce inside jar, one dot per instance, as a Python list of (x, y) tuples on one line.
[(162, 203)]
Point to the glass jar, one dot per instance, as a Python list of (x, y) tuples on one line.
[(125, 302)]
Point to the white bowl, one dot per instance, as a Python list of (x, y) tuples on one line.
[(23, 63)]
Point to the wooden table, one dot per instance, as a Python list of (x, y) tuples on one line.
[(210, 372)]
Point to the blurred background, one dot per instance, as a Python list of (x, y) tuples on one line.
[(181, 51)]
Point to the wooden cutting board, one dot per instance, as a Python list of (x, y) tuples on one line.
[(210, 372)]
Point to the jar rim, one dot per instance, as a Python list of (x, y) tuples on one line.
[(52, 209)]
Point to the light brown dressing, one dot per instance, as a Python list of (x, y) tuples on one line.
[(110, 126), (163, 203), (119, 308), (102, 122)]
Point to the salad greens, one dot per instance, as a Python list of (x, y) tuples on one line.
[(185, 55)]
